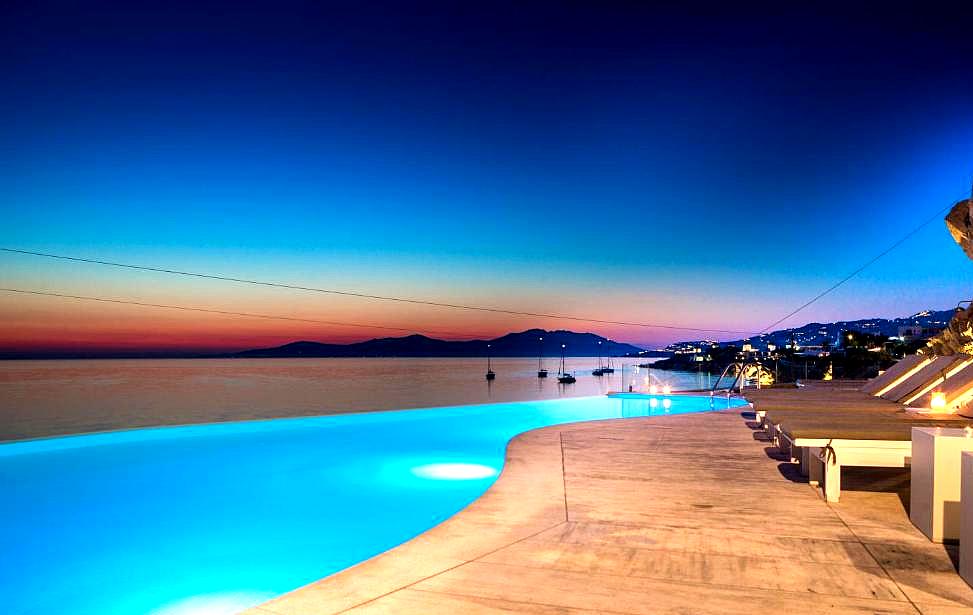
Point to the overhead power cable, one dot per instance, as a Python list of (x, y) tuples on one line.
[(363, 295), (854, 273), (221, 312)]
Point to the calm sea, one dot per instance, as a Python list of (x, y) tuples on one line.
[(43, 398)]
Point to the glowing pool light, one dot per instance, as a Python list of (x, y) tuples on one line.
[(454, 471), (213, 604), (666, 403), (666, 389), (653, 390), (330, 490), (653, 403), (938, 401)]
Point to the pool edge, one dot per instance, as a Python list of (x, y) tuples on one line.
[(532, 476)]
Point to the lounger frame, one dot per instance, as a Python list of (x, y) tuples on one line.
[(821, 459)]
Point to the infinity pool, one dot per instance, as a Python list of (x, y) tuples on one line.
[(211, 519)]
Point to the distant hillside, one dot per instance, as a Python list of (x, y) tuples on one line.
[(815, 333), (523, 344)]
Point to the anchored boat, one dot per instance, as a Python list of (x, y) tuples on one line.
[(541, 372), (490, 375), (600, 370), (609, 368), (562, 376)]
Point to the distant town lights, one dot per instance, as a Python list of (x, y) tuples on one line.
[(666, 389), (654, 390)]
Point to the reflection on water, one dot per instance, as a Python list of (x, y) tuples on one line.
[(39, 398), (661, 405)]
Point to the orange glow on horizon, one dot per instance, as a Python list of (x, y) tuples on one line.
[(40, 323)]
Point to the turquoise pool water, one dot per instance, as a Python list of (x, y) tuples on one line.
[(211, 519)]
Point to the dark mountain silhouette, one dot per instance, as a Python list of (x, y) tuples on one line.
[(523, 344)]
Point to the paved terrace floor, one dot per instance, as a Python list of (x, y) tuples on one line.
[(687, 514)]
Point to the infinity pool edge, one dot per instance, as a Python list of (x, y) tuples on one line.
[(532, 473)]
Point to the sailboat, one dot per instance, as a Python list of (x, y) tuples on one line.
[(600, 370), (541, 372), (562, 376), (490, 375), (609, 368)]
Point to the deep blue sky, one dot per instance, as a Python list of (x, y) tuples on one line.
[(696, 166)]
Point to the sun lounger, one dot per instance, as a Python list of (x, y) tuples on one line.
[(825, 429), (916, 381), (872, 441), (776, 415), (838, 401)]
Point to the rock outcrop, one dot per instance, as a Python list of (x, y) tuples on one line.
[(960, 225), (958, 336)]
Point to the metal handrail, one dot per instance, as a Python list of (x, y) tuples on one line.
[(739, 380), (716, 384)]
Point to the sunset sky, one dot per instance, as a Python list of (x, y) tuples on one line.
[(605, 161)]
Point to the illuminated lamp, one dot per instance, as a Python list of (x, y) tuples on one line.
[(653, 390), (938, 401), (666, 389)]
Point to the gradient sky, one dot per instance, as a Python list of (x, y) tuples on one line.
[(692, 166)]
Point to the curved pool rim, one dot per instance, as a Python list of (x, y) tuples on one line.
[(179, 433)]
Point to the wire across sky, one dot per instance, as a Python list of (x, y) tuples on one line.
[(408, 300), (363, 295)]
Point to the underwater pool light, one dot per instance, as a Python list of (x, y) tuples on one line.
[(454, 471), (214, 604), (653, 402)]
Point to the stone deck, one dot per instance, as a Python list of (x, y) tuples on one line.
[(686, 514)]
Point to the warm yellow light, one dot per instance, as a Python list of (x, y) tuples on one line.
[(666, 389), (938, 400), (653, 390)]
